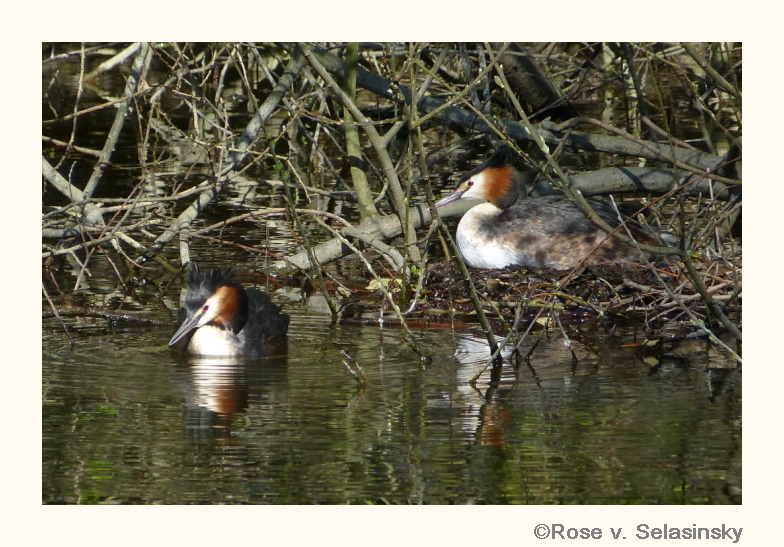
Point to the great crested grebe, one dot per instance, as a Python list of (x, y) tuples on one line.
[(536, 232), (222, 318)]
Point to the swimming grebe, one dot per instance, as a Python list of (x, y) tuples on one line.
[(538, 232), (221, 317)]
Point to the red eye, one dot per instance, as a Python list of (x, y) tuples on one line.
[(469, 183)]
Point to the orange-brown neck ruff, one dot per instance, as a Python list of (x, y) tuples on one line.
[(499, 189), (229, 303)]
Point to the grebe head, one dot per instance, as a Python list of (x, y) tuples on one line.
[(213, 299), (493, 181)]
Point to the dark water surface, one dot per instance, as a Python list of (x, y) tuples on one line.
[(125, 422)]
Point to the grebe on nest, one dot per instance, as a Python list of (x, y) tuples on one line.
[(536, 232)]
